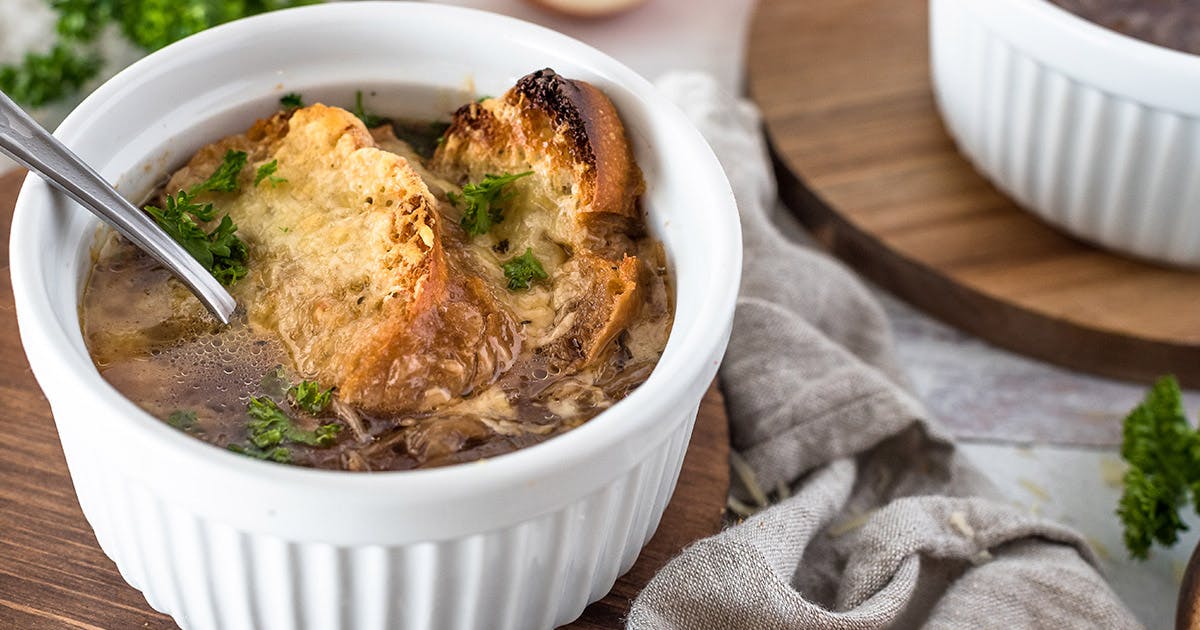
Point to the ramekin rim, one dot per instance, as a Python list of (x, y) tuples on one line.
[(1114, 62)]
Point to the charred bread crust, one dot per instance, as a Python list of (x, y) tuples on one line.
[(589, 122), (566, 102), (579, 128)]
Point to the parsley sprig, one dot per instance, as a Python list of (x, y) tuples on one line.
[(309, 396), (480, 202), (220, 251), (44, 77), (75, 57), (523, 270), (270, 430), (267, 172), (367, 118), (1163, 453), (225, 178), (291, 100)]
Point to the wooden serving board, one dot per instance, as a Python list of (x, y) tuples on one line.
[(53, 574), (864, 161), (1187, 609)]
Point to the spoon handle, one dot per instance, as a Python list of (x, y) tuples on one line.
[(25, 141)]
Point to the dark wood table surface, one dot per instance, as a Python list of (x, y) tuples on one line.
[(54, 575)]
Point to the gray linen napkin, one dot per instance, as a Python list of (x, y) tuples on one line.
[(886, 525)]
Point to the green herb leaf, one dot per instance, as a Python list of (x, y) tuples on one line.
[(324, 436), (1163, 452), (150, 24), (277, 454), (291, 100), (229, 253), (178, 220), (267, 172), (45, 77), (182, 419), (221, 252), (309, 396), (225, 178), (269, 431), (480, 202), (523, 270), (81, 20), (268, 423), (153, 24), (368, 119)]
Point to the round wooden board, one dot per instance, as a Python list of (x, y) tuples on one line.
[(1187, 609), (865, 162), (54, 575)]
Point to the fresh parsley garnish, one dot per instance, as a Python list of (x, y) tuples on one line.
[(368, 119), (44, 77), (291, 100), (1163, 453), (480, 202), (225, 178), (228, 251), (267, 172), (270, 430), (523, 270), (220, 251), (182, 419), (279, 454), (75, 57), (309, 396)]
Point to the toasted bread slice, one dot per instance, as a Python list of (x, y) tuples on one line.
[(349, 268), (582, 197)]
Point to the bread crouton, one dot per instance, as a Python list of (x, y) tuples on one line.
[(582, 194)]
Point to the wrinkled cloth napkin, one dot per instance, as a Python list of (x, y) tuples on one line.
[(885, 524)]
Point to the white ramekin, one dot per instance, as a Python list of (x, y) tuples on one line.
[(1095, 132), (217, 540)]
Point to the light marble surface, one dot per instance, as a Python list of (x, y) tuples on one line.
[(1046, 436)]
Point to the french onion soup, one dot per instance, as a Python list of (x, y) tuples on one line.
[(410, 294)]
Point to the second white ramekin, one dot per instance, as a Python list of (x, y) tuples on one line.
[(1094, 131), (216, 540)]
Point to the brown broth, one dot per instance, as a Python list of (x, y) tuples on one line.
[(1169, 23), (172, 363)]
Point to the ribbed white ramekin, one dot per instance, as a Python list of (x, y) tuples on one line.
[(217, 540), (1094, 131)]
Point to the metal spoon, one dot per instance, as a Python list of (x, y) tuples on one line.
[(25, 141)]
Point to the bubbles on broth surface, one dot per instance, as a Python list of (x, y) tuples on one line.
[(219, 371)]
